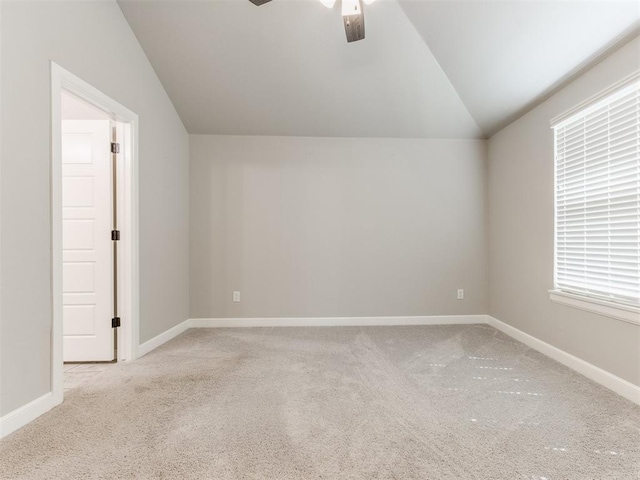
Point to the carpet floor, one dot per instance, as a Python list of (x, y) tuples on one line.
[(418, 402)]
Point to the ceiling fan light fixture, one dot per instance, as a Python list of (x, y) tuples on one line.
[(328, 3), (351, 7), (353, 19), (352, 16)]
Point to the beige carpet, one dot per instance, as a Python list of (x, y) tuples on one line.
[(446, 402)]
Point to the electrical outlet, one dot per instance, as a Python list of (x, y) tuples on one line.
[(460, 294), (236, 296)]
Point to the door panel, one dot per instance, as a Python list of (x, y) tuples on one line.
[(78, 277), (80, 319), (77, 192), (86, 240), (77, 147), (78, 234)]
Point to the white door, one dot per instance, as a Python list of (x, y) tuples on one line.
[(87, 266)]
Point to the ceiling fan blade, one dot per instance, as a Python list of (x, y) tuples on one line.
[(353, 17), (259, 2), (354, 27)]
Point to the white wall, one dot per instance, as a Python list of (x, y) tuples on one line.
[(94, 41), (521, 232), (317, 227)]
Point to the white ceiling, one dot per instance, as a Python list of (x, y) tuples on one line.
[(285, 68), (427, 68), (504, 56)]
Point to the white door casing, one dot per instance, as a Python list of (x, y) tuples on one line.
[(87, 265), (63, 80)]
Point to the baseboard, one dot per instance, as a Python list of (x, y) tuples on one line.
[(335, 321), (163, 338), (620, 386), (29, 412), (12, 421)]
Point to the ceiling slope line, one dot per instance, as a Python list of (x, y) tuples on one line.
[(290, 77), (150, 64), (484, 135), (506, 58), (599, 56)]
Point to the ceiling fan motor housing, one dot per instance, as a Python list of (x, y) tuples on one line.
[(353, 18), (353, 22), (354, 27)]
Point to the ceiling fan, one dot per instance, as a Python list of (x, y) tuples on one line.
[(352, 15)]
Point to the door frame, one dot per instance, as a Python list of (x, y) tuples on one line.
[(128, 261)]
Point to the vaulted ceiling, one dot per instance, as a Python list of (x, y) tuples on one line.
[(426, 69), (504, 56)]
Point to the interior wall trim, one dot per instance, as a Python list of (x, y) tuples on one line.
[(29, 412), (12, 421), (335, 321), (620, 386), (163, 338)]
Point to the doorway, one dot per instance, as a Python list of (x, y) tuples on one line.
[(88, 195), (94, 227)]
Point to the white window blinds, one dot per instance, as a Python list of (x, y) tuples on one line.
[(597, 240)]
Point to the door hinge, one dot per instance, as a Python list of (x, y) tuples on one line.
[(115, 235), (115, 322), (115, 147)]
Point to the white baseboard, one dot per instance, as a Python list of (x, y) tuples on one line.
[(335, 321), (29, 412), (620, 386), (163, 338), (12, 421)]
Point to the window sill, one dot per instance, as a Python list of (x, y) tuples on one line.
[(626, 313)]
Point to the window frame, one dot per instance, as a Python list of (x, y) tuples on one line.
[(610, 308)]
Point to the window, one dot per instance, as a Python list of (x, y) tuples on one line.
[(597, 202)]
